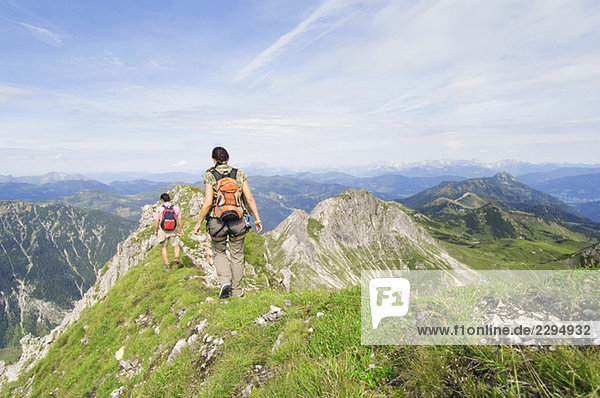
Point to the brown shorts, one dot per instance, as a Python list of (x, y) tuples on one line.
[(166, 237)]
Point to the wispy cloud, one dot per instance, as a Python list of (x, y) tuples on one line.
[(9, 92), (43, 34), (328, 17)]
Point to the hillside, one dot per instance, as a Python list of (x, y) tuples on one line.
[(124, 205), (143, 331), (50, 256), (54, 185), (590, 209), (345, 234), (503, 190), (573, 189)]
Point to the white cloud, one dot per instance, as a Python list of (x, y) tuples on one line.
[(180, 163)]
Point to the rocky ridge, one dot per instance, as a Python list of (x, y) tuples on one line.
[(346, 234)]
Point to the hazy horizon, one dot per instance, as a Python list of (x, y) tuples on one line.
[(356, 170)]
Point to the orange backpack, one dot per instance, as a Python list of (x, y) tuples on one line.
[(228, 206)]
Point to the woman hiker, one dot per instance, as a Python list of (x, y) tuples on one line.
[(226, 202)]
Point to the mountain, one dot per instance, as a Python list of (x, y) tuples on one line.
[(126, 206), (277, 197), (573, 189), (483, 234), (138, 186), (467, 168), (387, 186), (44, 179), (490, 222), (108, 177), (52, 190), (534, 179), (503, 190), (50, 256), (144, 332), (346, 234), (589, 209)]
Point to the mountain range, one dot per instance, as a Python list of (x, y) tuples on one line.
[(278, 197)]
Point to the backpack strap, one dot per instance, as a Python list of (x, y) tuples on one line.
[(217, 175)]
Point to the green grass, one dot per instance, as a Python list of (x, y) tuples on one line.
[(317, 356), (313, 228), (485, 242), (10, 354)]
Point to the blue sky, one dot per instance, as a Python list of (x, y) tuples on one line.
[(88, 86)]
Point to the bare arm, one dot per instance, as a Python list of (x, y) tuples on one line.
[(180, 225), (208, 199), (156, 227), (252, 204)]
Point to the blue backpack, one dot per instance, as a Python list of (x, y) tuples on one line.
[(168, 221)]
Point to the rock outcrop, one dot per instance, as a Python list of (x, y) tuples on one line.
[(346, 234)]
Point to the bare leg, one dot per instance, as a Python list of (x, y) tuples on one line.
[(165, 254)]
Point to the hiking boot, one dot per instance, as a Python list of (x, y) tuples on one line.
[(167, 266), (177, 261), (238, 293), (225, 291)]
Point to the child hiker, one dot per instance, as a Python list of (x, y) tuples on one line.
[(168, 227)]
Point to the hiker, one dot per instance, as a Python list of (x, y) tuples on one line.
[(168, 218), (226, 204)]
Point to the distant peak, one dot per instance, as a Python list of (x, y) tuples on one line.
[(505, 177)]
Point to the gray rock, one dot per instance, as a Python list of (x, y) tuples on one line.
[(117, 393), (200, 327), (277, 342), (180, 345), (248, 390), (273, 314), (193, 339)]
